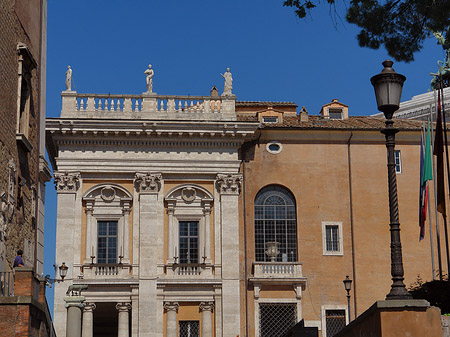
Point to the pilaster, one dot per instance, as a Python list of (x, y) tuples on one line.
[(67, 185), (148, 185), (229, 187)]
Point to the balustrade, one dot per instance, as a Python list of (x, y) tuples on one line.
[(93, 105), (189, 270), (100, 270), (7, 283), (277, 269)]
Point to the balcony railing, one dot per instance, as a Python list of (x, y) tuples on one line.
[(189, 270), (7, 283), (104, 270), (137, 106), (278, 270)]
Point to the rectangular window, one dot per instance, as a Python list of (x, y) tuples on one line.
[(270, 119), (398, 161), (335, 113), (189, 329), (188, 241), (334, 321), (275, 319), (332, 238), (107, 242)]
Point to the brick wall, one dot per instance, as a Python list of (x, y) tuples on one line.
[(26, 313)]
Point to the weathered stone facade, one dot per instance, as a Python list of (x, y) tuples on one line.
[(23, 169), (21, 149)]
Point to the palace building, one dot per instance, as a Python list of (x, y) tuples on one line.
[(208, 216)]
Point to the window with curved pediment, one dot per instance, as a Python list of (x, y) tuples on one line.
[(107, 209), (189, 227), (275, 225)]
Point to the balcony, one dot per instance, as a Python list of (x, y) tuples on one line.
[(188, 270), (277, 272), (104, 271)]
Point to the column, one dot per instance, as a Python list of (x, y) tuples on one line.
[(207, 242), (229, 188), (124, 327), (148, 186), (206, 309), (67, 185), (88, 320), (89, 232), (74, 305), (171, 321), (126, 232), (170, 234)]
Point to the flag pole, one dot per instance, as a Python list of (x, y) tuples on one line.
[(448, 169), (438, 235), (433, 268)]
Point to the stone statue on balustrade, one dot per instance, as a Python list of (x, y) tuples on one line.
[(149, 73), (228, 86), (69, 79), (444, 67)]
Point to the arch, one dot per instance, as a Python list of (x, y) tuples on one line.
[(90, 193), (275, 217), (177, 191)]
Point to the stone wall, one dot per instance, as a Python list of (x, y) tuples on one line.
[(18, 21)]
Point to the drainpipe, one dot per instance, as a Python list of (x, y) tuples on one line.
[(351, 220)]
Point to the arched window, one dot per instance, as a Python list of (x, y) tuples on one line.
[(275, 221)]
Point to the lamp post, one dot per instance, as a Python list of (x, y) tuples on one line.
[(388, 90), (348, 287)]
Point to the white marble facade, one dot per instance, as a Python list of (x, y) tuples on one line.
[(157, 148)]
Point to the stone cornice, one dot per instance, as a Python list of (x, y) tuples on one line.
[(132, 128)]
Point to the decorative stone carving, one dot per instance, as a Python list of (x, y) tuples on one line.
[(67, 181), (89, 306), (229, 183), (149, 78), (171, 306), (148, 182), (123, 306), (188, 194), (108, 193), (206, 306), (228, 86), (69, 79)]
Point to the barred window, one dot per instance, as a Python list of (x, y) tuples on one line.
[(107, 242), (275, 319), (332, 238), (335, 321), (188, 241), (335, 113), (275, 221), (189, 329)]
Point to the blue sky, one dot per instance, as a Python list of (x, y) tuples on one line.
[(273, 56)]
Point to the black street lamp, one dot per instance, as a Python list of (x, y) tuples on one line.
[(388, 91), (348, 287), (62, 273)]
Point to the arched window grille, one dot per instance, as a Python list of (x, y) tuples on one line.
[(275, 221)]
